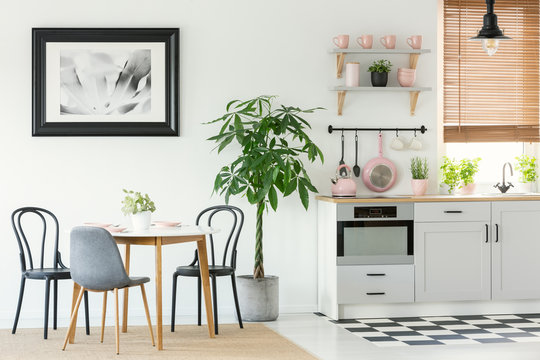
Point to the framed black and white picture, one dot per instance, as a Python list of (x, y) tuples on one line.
[(105, 82)]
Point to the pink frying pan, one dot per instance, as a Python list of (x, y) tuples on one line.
[(379, 174)]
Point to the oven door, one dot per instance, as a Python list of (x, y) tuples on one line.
[(375, 242)]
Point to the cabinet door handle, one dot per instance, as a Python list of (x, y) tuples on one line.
[(376, 293), (487, 233), (453, 211), (496, 232), (376, 274)]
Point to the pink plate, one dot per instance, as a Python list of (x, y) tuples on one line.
[(95, 224), (166, 223), (114, 229)]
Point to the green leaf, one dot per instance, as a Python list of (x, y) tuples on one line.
[(290, 187), (272, 196), (304, 195)]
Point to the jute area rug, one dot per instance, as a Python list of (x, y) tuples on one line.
[(254, 342)]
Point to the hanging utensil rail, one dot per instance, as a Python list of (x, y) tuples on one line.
[(422, 129)]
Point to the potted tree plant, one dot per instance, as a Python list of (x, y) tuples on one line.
[(271, 143), (527, 166), (449, 175), (379, 70), (467, 170), (419, 171), (140, 207)]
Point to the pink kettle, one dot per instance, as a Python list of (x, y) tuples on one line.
[(343, 185)]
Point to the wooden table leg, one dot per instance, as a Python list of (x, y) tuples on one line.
[(159, 315), (126, 292), (76, 290), (203, 265)]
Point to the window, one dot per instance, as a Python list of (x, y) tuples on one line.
[(491, 98)]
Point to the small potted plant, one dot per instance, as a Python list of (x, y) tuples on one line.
[(379, 72), (450, 175), (467, 170), (140, 207), (420, 172), (527, 166)]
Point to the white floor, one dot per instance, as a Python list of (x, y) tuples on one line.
[(328, 341)]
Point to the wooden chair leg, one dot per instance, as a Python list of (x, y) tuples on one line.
[(103, 313), (73, 317), (117, 323), (143, 293)]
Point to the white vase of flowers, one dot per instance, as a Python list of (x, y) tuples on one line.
[(140, 207)]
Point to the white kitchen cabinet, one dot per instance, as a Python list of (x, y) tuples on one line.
[(516, 250), (452, 261)]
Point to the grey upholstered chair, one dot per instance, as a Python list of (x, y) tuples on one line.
[(96, 266)]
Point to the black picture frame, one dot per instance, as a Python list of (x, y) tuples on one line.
[(170, 37)]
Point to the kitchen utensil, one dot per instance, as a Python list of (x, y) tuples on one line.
[(415, 41), (415, 144), (341, 41), (356, 168), (379, 173), (343, 185), (397, 143), (342, 172), (365, 41), (388, 41), (352, 74)]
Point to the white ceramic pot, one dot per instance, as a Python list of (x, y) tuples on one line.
[(419, 186), (141, 220)]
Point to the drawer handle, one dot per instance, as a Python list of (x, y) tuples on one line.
[(376, 293), (496, 233), (453, 211), (487, 233), (375, 274)]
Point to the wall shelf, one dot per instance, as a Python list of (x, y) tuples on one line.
[(413, 94), (413, 61)]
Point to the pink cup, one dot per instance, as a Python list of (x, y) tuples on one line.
[(406, 77), (388, 41), (365, 41), (415, 41), (341, 41)]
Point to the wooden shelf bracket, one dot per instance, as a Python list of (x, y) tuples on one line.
[(340, 61), (413, 100), (340, 101)]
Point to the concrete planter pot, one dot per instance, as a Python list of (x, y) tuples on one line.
[(259, 298)]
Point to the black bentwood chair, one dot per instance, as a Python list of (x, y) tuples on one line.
[(192, 270), (58, 271)]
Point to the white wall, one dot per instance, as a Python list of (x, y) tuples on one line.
[(229, 49)]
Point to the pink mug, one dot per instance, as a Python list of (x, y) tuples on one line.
[(341, 41), (415, 41), (365, 41), (389, 41)]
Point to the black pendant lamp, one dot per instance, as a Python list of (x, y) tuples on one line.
[(490, 34)]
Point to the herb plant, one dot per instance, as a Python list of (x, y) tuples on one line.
[(380, 66), (450, 173), (272, 142), (467, 169), (527, 166), (135, 202), (419, 168)]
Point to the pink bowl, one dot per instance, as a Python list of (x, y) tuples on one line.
[(406, 79)]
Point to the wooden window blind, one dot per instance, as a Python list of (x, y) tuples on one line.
[(491, 98)]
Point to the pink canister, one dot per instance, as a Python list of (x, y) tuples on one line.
[(352, 74)]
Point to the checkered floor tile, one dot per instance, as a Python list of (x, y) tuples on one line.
[(446, 330)]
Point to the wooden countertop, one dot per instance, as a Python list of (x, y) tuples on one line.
[(430, 198)]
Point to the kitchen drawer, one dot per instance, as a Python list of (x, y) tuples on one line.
[(452, 211), (375, 284)]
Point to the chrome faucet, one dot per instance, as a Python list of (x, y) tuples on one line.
[(504, 187)]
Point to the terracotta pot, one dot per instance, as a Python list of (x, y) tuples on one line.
[(467, 189), (419, 186)]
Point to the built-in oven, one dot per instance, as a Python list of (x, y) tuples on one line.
[(373, 234)]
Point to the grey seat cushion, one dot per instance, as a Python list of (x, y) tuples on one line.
[(138, 280)]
